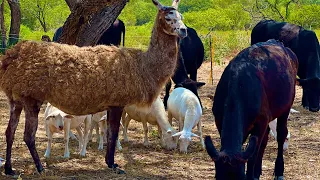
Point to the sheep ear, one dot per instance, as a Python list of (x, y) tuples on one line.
[(158, 4), (194, 135), (68, 116), (175, 3), (177, 134)]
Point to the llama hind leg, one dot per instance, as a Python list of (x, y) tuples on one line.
[(113, 123), (15, 111), (32, 108)]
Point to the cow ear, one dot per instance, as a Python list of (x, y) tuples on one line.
[(68, 116), (211, 150), (199, 84)]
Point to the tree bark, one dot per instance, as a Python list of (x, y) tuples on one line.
[(89, 20), (72, 3), (15, 22), (3, 29)]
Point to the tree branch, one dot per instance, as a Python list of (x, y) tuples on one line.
[(89, 20)]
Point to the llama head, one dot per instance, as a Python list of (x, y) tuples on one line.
[(171, 19)]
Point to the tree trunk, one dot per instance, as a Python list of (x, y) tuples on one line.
[(88, 20), (15, 22), (71, 4), (3, 29)]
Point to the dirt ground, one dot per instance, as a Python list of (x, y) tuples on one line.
[(302, 159)]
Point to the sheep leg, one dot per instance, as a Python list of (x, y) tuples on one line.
[(32, 108), (145, 130), (166, 96), (66, 137), (48, 150), (80, 137), (101, 134), (87, 126), (15, 111), (126, 120), (200, 133), (170, 118), (113, 122), (282, 133)]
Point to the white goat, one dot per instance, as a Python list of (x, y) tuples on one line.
[(99, 123), (185, 106), (56, 121), (156, 115)]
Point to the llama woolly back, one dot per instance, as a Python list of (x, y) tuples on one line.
[(83, 80)]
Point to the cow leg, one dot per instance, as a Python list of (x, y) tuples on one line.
[(166, 96), (113, 122), (15, 111), (305, 102), (258, 164), (260, 130), (193, 74), (282, 132), (32, 108)]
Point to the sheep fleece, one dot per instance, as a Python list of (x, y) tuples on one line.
[(77, 80)]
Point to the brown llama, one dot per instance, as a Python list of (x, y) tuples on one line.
[(85, 80)]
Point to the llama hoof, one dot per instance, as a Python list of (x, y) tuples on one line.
[(100, 148), (117, 170), (120, 148), (46, 155), (9, 171), (278, 178)]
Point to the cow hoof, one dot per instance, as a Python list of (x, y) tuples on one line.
[(278, 178), (117, 170)]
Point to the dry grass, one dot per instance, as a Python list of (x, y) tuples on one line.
[(302, 160)]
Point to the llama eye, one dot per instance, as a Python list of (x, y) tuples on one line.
[(171, 12), (168, 19)]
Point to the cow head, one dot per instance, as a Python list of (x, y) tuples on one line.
[(312, 87), (173, 19), (230, 166)]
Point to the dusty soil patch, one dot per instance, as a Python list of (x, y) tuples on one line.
[(302, 160)]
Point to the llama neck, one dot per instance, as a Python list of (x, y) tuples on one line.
[(162, 52)]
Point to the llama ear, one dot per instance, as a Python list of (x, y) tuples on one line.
[(158, 4), (199, 84), (175, 3)]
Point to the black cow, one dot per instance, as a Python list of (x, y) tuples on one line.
[(112, 36), (256, 87), (304, 43), (190, 58)]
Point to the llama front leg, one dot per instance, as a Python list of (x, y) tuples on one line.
[(32, 108), (15, 111), (87, 126), (66, 137), (113, 122), (48, 150)]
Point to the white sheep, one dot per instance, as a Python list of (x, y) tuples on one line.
[(185, 106), (99, 123), (273, 131), (156, 115), (56, 121)]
